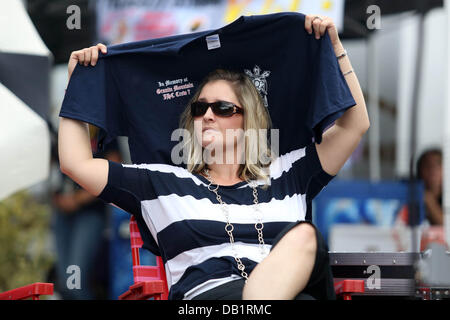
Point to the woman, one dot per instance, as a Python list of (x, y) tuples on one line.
[(429, 169), (267, 250)]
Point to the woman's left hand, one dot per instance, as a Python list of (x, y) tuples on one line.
[(319, 24)]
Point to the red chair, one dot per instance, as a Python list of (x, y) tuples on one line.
[(150, 281), (33, 291), (346, 288)]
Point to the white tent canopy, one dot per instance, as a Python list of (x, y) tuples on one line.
[(24, 145), (18, 34), (25, 138)]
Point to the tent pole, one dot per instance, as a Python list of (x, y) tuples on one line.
[(413, 203), (446, 142), (374, 108)]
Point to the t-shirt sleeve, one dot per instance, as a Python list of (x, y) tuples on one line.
[(127, 186), (93, 96), (330, 94), (309, 173)]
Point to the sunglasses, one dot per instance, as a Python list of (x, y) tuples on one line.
[(220, 108)]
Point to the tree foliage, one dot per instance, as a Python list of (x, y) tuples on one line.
[(24, 238)]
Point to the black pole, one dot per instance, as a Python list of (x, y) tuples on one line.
[(413, 195)]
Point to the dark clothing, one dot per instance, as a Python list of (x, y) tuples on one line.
[(180, 220), (319, 287), (140, 89)]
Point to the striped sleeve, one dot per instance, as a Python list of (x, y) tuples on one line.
[(309, 173), (305, 173), (127, 186), (315, 178)]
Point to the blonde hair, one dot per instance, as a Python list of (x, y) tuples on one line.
[(256, 117)]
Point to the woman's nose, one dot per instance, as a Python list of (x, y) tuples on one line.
[(209, 114)]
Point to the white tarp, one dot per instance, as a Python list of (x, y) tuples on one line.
[(24, 145), (25, 139), (17, 32), (432, 91), (445, 123)]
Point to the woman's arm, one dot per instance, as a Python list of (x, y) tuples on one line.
[(74, 147), (73, 201), (75, 156), (339, 141)]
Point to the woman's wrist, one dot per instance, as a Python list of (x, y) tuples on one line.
[(342, 57), (338, 48)]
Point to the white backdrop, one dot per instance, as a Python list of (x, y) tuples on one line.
[(25, 139), (24, 145), (432, 92)]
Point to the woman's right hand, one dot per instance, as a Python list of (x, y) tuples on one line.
[(85, 57)]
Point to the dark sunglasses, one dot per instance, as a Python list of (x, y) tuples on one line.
[(220, 108)]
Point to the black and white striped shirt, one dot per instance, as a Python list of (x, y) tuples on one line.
[(181, 220)]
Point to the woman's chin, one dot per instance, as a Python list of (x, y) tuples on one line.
[(209, 143), (208, 140)]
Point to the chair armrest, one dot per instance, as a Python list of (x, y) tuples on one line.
[(30, 291), (144, 290)]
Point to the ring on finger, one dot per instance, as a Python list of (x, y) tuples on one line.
[(317, 17)]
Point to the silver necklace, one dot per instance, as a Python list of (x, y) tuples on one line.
[(259, 226)]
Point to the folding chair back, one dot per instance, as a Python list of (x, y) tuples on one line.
[(149, 281)]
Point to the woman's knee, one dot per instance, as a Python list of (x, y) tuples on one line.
[(303, 236)]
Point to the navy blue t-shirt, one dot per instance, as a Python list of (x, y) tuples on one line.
[(140, 89)]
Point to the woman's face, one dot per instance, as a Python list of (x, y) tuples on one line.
[(212, 128), (432, 171)]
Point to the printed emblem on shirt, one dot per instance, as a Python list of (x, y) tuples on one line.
[(260, 82)]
